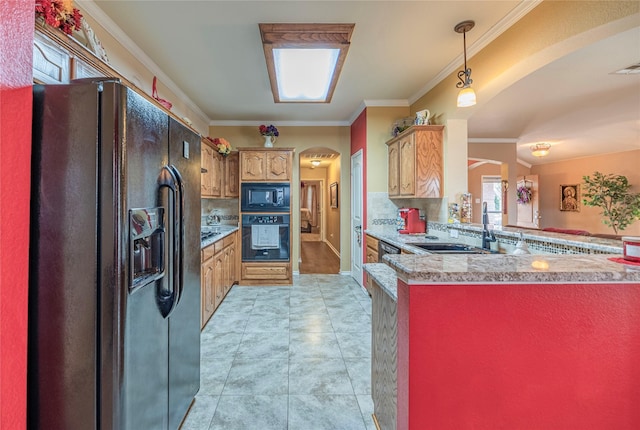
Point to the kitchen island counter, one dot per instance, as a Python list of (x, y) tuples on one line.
[(552, 268), (511, 341)]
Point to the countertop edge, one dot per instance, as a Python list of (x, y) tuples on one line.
[(384, 276), (224, 232)]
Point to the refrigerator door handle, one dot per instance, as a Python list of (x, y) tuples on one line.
[(180, 236), (168, 299)]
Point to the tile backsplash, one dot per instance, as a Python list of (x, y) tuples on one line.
[(227, 209)]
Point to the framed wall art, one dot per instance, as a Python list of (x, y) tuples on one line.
[(333, 195), (570, 198)]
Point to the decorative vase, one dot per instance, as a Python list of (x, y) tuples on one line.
[(268, 141)]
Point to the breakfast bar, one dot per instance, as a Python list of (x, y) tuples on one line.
[(511, 341)]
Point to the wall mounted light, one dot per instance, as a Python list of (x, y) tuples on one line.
[(540, 149), (466, 96)]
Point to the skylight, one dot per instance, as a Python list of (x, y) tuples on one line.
[(304, 74), (304, 60)]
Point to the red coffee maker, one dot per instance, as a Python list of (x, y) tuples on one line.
[(412, 221)]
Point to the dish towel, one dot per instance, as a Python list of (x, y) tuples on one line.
[(265, 236)]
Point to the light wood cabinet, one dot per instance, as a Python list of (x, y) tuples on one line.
[(232, 175), (416, 167), (218, 274), (207, 291), (384, 357), (266, 165), (219, 173), (371, 249)]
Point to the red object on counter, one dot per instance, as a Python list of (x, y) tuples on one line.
[(412, 221)]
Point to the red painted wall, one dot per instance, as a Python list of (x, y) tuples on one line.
[(519, 356), (16, 45)]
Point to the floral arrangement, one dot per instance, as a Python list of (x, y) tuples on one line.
[(221, 144), (59, 14), (270, 130), (524, 195)]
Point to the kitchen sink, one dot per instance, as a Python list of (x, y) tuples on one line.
[(451, 248)]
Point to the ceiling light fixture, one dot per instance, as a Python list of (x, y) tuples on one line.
[(315, 163), (466, 96), (304, 60), (540, 149)]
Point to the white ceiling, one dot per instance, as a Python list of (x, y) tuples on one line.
[(211, 51)]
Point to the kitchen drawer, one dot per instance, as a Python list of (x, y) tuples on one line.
[(208, 252), (372, 242), (229, 240), (259, 271)]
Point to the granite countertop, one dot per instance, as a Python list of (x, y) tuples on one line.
[(384, 276), (405, 241), (222, 231), (488, 268)]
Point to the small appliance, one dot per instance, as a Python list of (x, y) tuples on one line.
[(265, 197), (411, 222)]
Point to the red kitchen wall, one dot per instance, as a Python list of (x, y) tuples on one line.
[(16, 45), (358, 142), (544, 356)]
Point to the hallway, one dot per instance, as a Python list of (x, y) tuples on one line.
[(287, 358), (317, 257)]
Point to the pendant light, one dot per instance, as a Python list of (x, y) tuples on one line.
[(466, 96)]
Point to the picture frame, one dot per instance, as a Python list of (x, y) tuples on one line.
[(570, 197), (333, 195)]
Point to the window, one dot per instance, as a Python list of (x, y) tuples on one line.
[(492, 195)]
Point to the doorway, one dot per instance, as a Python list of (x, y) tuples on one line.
[(311, 216), (319, 219)]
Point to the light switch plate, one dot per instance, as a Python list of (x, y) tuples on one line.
[(185, 149)]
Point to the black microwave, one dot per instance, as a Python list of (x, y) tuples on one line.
[(264, 197)]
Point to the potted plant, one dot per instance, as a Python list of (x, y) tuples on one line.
[(611, 193)]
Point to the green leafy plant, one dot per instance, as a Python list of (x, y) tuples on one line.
[(620, 208)]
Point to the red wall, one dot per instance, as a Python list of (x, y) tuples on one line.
[(519, 356), (358, 142), (16, 45)]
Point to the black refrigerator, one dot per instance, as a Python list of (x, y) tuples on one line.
[(114, 289)]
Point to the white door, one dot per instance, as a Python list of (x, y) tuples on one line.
[(357, 240), (528, 212)]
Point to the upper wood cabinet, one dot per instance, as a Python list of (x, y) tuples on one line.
[(265, 165), (416, 167), (219, 173), (231, 175)]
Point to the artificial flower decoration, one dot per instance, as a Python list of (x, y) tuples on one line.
[(221, 144), (59, 14), (270, 130), (524, 195)]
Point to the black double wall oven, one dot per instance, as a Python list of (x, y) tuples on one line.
[(265, 221)]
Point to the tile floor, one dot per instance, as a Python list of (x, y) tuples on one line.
[(287, 358)]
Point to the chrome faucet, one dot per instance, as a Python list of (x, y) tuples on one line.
[(487, 235)]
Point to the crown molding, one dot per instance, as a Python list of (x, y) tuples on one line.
[(230, 123), (492, 140), (91, 8)]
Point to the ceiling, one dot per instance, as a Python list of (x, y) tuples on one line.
[(211, 52)]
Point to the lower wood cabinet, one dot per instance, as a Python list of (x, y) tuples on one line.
[(218, 274), (384, 357), (371, 249), (276, 273)]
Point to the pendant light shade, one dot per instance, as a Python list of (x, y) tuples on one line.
[(466, 97)]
